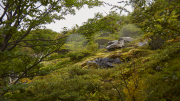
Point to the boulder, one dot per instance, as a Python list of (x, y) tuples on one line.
[(117, 61), (115, 44), (112, 42), (126, 39), (118, 43), (103, 63), (141, 44)]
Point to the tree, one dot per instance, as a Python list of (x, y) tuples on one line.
[(159, 21), (18, 19), (110, 23)]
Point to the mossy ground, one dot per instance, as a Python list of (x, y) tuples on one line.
[(136, 79)]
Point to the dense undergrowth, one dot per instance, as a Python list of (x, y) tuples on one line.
[(138, 79)]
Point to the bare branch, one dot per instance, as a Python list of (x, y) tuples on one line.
[(19, 40), (117, 91), (35, 64), (114, 88), (29, 29), (5, 10), (45, 39), (30, 45), (28, 12), (2, 6)]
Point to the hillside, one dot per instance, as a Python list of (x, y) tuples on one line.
[(144, 74), (109, 58)]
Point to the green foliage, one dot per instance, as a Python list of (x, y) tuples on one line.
[(102, 38), (92, 46), (25, 59), (70, 89), (89, 27), (78, 55), (134, 93), (163, 87), (129, 30), (160, 18), (14, 91), (79, 48), (49, 68), (170, 51), (23, 45), (110, 23), (126, 49), (174, 69), (137, 78), (72, 82), (76, 71), (75, 42), (63, 63)]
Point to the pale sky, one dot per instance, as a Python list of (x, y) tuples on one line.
[(82, 16)]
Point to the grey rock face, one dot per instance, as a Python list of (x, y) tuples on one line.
[(106, 62), (118, 43), (141, 44), (115, 44), (117, 61), (112, 42), (127, 39)]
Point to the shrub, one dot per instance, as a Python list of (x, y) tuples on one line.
[(129, 30), (76, 70), (78, 55)]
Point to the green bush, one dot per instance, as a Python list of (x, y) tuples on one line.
[(76, 70), (129, 30), (76, 89), (77, 56), (163, 87), (62, 63)]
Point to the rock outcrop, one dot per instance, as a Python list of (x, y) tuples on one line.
[(127, 39), (141, 44), (115, 44), (103, 62), (118, 43)]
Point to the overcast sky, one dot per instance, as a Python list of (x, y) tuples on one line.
[(82, 16)]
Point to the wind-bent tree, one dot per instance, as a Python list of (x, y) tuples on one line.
[(17, 20)]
